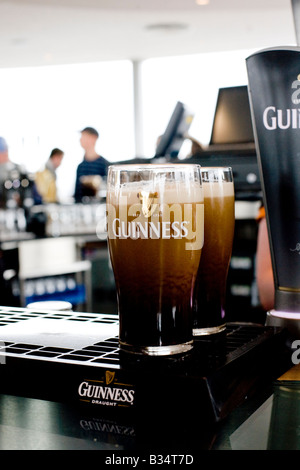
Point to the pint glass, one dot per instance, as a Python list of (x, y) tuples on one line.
[(210, 288), (155, 217)]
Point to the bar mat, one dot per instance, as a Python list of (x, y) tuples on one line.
[(74, 357)]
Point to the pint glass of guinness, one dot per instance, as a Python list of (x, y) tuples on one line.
[(155, 218), (210, 288)]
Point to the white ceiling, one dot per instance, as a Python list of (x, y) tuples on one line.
[(44, 32)]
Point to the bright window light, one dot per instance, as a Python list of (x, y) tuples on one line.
[(195, 81), (46, 107)]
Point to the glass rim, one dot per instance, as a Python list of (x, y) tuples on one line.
[(214, 168), (150, 166), (218, 174)]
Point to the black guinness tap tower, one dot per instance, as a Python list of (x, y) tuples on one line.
[(274, 92)]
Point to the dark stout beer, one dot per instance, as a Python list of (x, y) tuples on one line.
[(155, 242), (210, 288)]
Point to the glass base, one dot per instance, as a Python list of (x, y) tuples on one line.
[(157, 350), (209, 330)]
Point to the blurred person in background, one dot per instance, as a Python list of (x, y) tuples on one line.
[(13, 179), (45, 180), (3, 151), (93, 165), (6, 164)]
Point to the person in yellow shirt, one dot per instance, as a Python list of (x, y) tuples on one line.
[(45, 180), (264, 270)]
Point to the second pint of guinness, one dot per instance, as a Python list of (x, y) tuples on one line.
[(155, 218), (210, 288)]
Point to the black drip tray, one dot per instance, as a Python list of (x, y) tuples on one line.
[(75, 358)]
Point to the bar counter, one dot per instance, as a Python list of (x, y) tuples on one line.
[(33, 424), (247, 400), (268, 421)]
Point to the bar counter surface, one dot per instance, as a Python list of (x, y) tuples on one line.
[(33, 424), (228, 395)]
